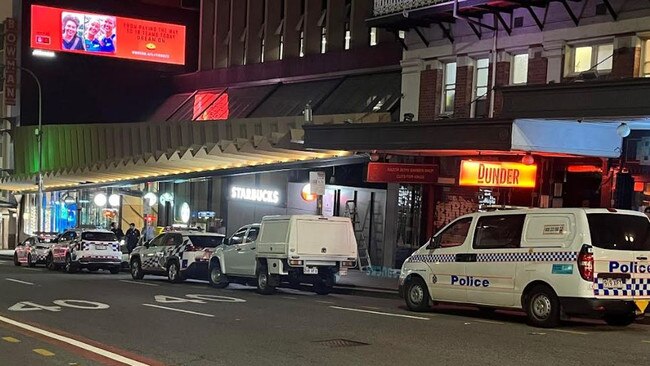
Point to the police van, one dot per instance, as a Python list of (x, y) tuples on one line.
[(552, 263)]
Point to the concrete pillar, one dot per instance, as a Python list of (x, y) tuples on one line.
[(537, 65), (554, 52), (271, 23), (238, 13), (361, 10), (464, 82), (335, 25), (626, 61), (312, 42), (430, 98), (411, 87), (390, 231), (221, 32), (207, 34), (292, 14), (502, 79), (253, 35)]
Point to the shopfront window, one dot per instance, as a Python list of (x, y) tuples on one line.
[(409, 207), (449, 87)]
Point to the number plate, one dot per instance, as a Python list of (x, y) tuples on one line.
[(100, 247), (613, 282), (310, 270)]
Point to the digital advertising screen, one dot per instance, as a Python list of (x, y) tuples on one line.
[(63, 30)]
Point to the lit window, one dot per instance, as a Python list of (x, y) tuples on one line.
[(520, 69), (482, 72), (348, 38), (598, 57), (449, 87), (323, 40), (373, 36), (646, 58), (302, 44)]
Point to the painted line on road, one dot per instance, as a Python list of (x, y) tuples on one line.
[(19, 281), (73, 342), (289, 297), (645, 341), (32, 269), (140, 283), (488, 321), (11, 339), (568, 331), (380, 313), (371, 307), (179, 310), (43, 352), (325, 302)]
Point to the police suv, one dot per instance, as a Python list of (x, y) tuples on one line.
[(92, 249), (552, 263), (177, 254)]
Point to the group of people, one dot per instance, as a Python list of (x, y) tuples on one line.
[(99, 34), (132, 236)]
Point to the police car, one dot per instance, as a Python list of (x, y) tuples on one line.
[(177, 254), (92, 249), (32, 251), (552, 263)]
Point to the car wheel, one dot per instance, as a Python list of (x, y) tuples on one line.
[(324, 285), (174, 273), (115, 270), (49, 263), (265, 282), (542, 307), (217, 278), (16, 262), (29, 261), (69, 266), (619, 320), (136, 270), (417, 295)]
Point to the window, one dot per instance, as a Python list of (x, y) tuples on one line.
[(252, 235), (646, 59), (205, 241), (98, 236), (619, 232), (173, 239), (455, 234), (502, 231), (323, 40), (594, 57), (520, 69), (156, 242), (449, 87), (481, 82), (373, 36), (238, 237)]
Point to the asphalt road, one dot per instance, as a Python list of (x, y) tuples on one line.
[(103, 319)]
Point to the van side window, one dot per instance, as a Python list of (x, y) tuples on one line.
[(503, 231), (455, 234)]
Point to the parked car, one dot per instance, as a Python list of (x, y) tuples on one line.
[(93, 249), (178, 254), (32, 251), (295, 249), (551, 263)]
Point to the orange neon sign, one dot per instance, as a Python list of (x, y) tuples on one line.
[(497, 174)]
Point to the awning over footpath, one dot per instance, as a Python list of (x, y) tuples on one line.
[(458, 137), (107, 154)]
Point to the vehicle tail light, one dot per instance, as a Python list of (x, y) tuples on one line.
[(586, 263), (190, 248), (294, 262)]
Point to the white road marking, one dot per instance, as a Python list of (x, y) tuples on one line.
[(96, 350), (179, 310), (380, 313), (371, 307), (487, 321), (568, 331), (288, 297), (140, 283), (645, 341), (32, 269), (325, 302), (19, 281)]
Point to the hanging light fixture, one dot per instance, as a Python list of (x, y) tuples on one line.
[(623, 130)]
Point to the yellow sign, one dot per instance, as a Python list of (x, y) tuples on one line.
[(497, 174), (642, 305)]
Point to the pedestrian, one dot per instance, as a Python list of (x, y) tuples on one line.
[(132, 237), (117, 231)]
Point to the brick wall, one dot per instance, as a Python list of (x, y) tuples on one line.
[(502, 79), (464, 82), (537, 70), (626, 62), (430, 95)]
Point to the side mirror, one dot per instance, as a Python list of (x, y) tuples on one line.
[(434, 243)]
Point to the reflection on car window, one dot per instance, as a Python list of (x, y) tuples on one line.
[(156, 241), (238, 237), (455, 234), (206, 241), (252, 234), (499, 232)]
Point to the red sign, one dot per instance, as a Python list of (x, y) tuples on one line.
[(11, 41), (401, 173), (497, 174), (64, 30)]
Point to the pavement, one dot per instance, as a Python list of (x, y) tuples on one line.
[(99, 318)]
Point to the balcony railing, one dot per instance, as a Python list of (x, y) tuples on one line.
[(383, 7)]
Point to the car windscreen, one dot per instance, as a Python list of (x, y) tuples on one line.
[(97, 236), (206, 241), (619, 232)]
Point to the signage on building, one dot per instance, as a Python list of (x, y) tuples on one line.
[(62, 30), (317, 183), (11, 45), (255, 194), (401, 173), (206, 214), (497, 174)]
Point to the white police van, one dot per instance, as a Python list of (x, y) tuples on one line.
[(551, 263)]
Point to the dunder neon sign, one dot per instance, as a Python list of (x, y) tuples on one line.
[(497, 174)]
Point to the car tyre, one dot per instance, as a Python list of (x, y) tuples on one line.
[(619, 320), (69, 266), (217, 278), (29, 261), (136, 269), (324, 285), (114, 270), (542, 307), (417, 295), (16, 262), (265, 281), (174, 273), (49, 263)]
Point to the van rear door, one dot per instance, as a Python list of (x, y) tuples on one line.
[(325, 237), (621, 248)]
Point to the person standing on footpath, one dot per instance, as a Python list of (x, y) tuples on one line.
[(132, 237)]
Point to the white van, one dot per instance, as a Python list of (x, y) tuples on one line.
[(295, 249), (551, 263)]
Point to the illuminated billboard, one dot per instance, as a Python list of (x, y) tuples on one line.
[(63, 30)]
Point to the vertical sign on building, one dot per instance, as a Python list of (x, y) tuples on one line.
[(11, 45)]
